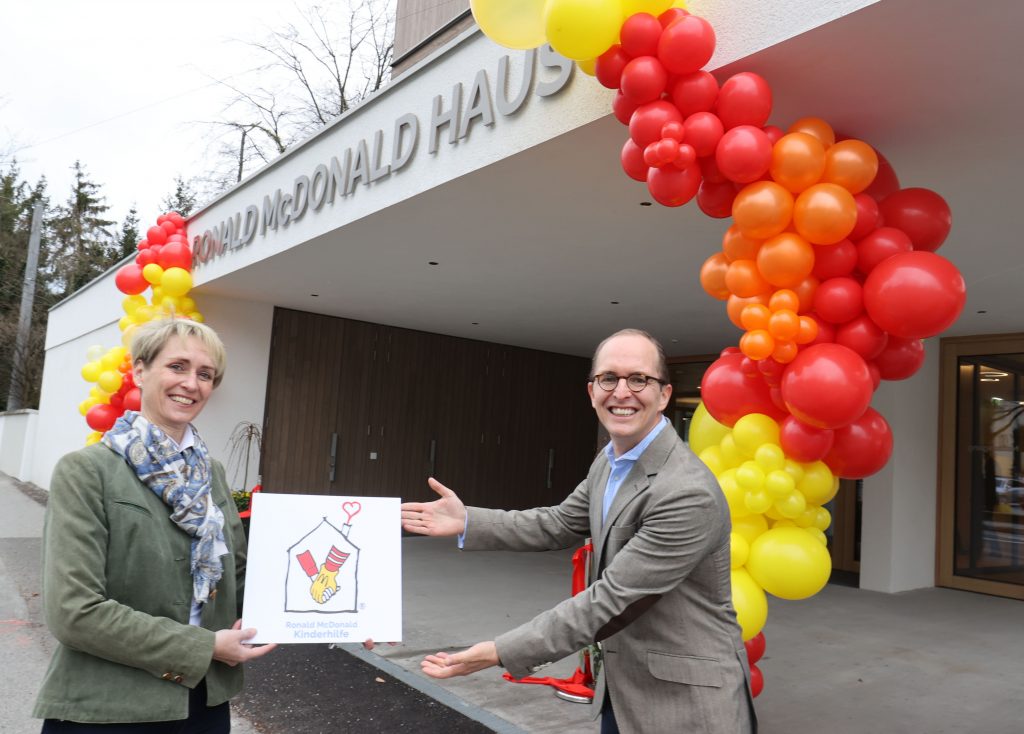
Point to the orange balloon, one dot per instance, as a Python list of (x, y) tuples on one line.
[(784, 298), (808, 330), (712, 276), (825, 214), (736, 246), (852, 164), (735, 305), (785, 260), (757, 344), (755, 316), (743, 279), (785, 352), (805, 292), (762, 209), (784, 325), (798, 160), (817, 127)]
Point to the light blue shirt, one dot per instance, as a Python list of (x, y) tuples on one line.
[(620, 467)]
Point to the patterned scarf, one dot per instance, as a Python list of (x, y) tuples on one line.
[(182, 481)]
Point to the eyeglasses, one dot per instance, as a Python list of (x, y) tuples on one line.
[(636, 382)]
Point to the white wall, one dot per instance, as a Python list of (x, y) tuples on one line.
[(17, 441), (898, 534)]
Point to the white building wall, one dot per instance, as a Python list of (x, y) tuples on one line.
[(900, 502)]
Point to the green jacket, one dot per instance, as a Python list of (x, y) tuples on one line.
[(117, 593)]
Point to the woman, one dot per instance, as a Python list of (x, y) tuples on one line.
[(144, 559)]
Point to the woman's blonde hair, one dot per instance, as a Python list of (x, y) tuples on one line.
[(151, 337)]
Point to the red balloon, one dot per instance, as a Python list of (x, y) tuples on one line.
[(839, 300), (133, 399), (756, 681), (886, 181), (827, 386), (101, 417), (834, 261), (670, 16), (882, 243), (921, 213), (709, 169), (175, 255), (169, 227), (775, 134), (771, 370), (661, 153), (694, 92), (609, 65), (129, 279), (914, 294), (145, 257), (745, 99), (703, 130), (143, 244), (156, 235), (863, 336), (802, 442), (686, 44), (643, 80), (632, 157), (640, 34), (177, 237), (671, 186), (861, 448), (623, 108), (647, 121), (868, 216), (179, 221), (900, 358), (755, 648), (744, 154), (826, 332), (729, 394), (715, 199)]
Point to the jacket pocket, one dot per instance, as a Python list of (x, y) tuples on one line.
[(686, 669), (622, 531), (133, 507)]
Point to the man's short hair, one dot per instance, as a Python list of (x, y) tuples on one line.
[(151, 337), (663, 373)]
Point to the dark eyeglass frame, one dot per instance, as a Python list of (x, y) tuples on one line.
[(632, 381)]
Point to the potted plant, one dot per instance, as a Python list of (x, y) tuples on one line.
[(245, 443)]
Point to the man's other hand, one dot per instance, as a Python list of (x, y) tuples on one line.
[(442, 517)]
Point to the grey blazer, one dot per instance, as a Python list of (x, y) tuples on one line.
[(659, 601)]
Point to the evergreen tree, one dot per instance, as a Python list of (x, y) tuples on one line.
[(127, 243), (82, 246), (183, 200)]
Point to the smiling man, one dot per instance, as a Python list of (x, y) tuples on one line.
[(659, 600)]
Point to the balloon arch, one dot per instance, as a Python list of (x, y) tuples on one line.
[(828, 268)]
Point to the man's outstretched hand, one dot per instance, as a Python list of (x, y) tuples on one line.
[(442, 517), (442, 665)]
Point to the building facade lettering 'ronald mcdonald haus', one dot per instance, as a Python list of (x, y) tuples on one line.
[(366, 163)]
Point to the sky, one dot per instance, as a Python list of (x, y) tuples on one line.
[(122, 86)]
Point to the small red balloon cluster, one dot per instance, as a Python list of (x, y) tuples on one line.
[(829, 267), (755, 647), (164, 263)]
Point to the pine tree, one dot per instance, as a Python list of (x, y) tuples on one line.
[(82, 246), (128, 241), (183, 200)]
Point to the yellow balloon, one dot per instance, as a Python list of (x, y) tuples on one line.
[(750, 527), (818, 535), (171, 304), (807, 517), (783, 523), (176, 282), (158, 294), (588, 66), (770, 457), (83, 407), (791, 506), (757, 501), (110, 360), (731, 453), (654, 7), (712, 458), (93, 353), (91, 371), (124, 322), (734, 494), (779, 484), (511, 23), (186, 305), (822, 518), (582, 29), (110, 381), (789, 563), (794, 469), (753, 430), (704, 430), (750, 476), (130, 303), (143, 314), (196, 316), (818, 485), (126, 337), (152, 273), (750, 603), (739, 550), (92, 438)]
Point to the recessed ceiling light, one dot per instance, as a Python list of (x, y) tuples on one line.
[(476, 323), (982, 311), (614, 303), (645, 203), (432, 262), (315, 295)]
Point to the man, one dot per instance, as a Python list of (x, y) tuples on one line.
[(659, 601)]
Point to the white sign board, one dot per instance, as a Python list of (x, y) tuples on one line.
[(324, 569)]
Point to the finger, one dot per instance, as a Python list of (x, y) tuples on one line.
[(418, 529), (412, 509), (440, 488), (237, 625), (368, 644)]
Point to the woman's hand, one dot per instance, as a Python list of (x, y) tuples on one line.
[(230, 646)]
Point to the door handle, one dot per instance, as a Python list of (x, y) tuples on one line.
[(551, 465), (433, 455), (334, 456)]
